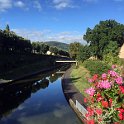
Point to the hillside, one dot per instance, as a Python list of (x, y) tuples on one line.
[(60, 45)]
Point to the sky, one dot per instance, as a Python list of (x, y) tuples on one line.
[(57, 20)]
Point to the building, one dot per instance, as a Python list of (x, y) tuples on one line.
[(121, 54)]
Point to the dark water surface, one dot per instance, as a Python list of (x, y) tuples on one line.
[(38, 100)]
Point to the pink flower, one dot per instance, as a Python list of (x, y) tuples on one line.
[(90, 80), (119, 80), (90, 91), (104, 76), (104, 84), (113, 73), (113, 66)]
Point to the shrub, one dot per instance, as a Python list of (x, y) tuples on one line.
[(111, 59), (96, 66), (106, 98)]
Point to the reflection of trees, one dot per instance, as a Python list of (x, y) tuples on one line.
[(11, 96), (40, 84), (53, 77), (14, 94)]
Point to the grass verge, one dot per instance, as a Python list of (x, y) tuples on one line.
[(79, 78)]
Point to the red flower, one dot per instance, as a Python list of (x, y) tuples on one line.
[(85, 100), (99, 97), (121, 89), (110, 102), (105, 104), (99, 111), (90, 122), (90, 112), (95, 76), (121, 114)]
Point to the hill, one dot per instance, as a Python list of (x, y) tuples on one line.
[(60, 45)]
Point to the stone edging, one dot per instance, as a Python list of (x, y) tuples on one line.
[(73, 95)]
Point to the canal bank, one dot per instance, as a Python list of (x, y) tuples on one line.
[(73, 96), (45, 70), (36, 100)]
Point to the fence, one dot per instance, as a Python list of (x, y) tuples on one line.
[(81, 108)]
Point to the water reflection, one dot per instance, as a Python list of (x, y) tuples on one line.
[(38, 99), (11, 96)]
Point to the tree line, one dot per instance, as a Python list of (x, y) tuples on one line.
[(43, 48), (104, 39), (10, 42)]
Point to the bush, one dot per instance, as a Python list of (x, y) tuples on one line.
[(106, 98), (96, 66), (111, 59)]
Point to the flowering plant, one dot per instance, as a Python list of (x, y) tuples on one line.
[(106, 98)]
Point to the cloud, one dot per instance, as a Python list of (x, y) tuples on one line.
[(33, 35), (47, 35), (62, 4), (37, 5), (19, 4), (8, 4), (5, 5)]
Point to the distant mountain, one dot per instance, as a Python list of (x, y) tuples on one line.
[(60, 45)]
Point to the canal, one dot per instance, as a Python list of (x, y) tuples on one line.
[(36, 100)]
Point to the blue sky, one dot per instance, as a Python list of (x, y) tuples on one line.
[(60, 20)]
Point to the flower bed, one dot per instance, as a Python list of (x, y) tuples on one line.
[(106, 98)]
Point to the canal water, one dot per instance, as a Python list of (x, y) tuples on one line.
[(36, 100)]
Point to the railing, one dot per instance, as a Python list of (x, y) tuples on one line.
[(68, 62), (81, 109)]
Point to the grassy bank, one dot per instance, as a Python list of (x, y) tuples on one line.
[(79, 77), (87, 69)]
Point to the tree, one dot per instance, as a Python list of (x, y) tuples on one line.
[(74, 49), (112, 48), (44, 48), (84, 53), (53, 50), (7, 28), (63, 53), (102, 34)]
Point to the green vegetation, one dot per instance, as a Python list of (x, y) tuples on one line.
[(62, 46), (39, 47), (104, 36), (79, 77), (96, 66), (19, 56), (74, 49), (101, 51), (54, 50), (12, 43), (84, 53), (42, 48)]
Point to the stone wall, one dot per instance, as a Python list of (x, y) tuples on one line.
[(121, 54)]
